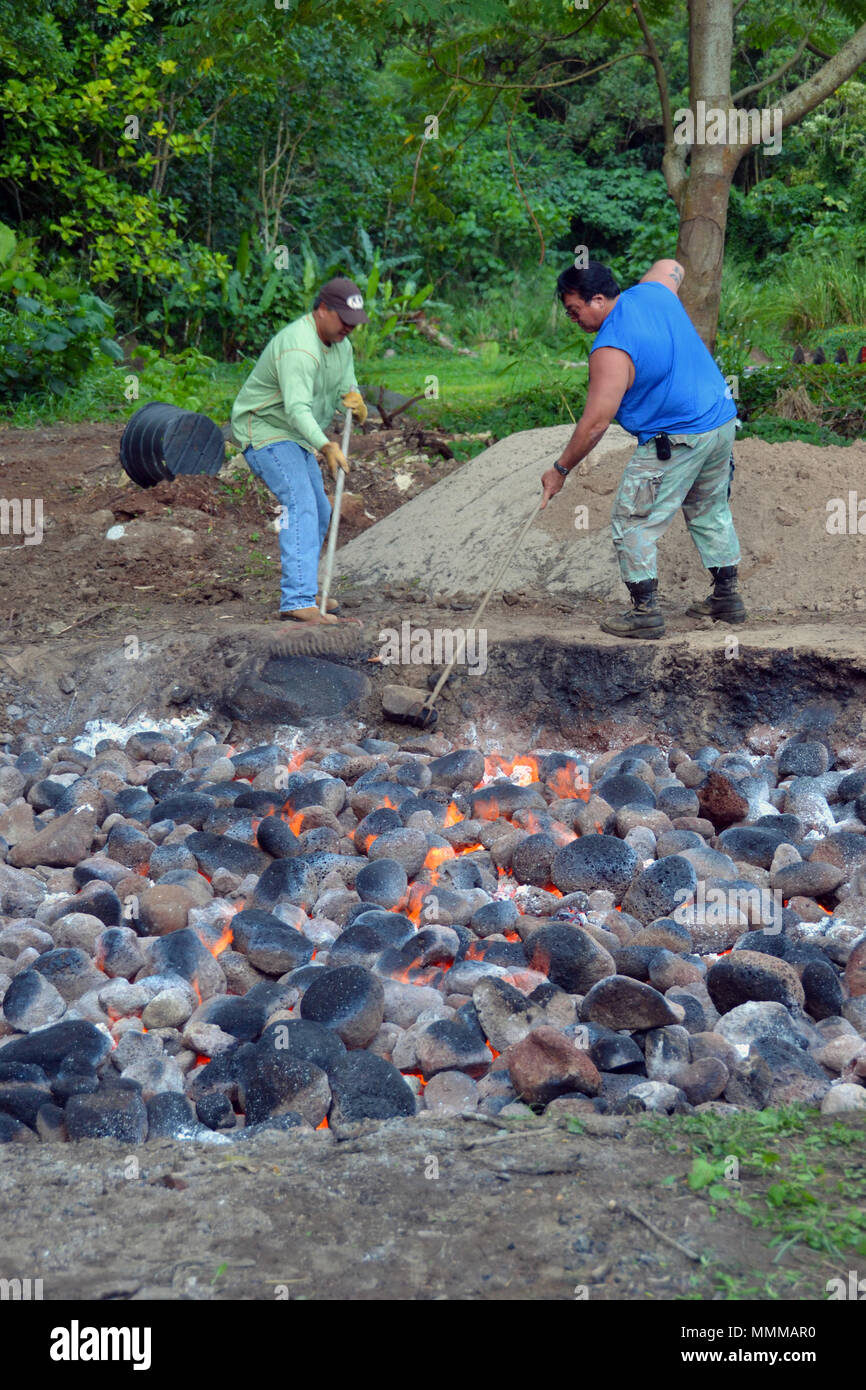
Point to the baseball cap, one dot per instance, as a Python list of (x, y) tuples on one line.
[(346, 298)]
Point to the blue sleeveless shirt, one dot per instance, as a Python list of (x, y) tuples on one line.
[(677, 389)]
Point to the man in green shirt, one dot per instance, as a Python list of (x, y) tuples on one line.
[(279, 419)]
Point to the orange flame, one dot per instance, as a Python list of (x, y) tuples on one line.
[(452, 815), (416, 973), (298, 759), (293, 820), (416, 899), (438, 856), (225, 940), (565, 784)]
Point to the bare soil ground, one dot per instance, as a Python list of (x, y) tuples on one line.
[(231, 559), (428, 1209), (215, 554)]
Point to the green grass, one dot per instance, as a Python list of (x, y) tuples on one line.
[(810, 1178), (500, 371), (501, 391)]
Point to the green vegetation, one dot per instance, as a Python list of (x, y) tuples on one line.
[(828, 399), (176, 181), (790, 1173)]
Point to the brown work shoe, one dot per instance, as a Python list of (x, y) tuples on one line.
[(311, 616), (332, 606)]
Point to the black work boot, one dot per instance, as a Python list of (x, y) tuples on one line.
[(644, 618), (724, 603)]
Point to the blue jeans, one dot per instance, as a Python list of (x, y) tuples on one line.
[(294, 477)]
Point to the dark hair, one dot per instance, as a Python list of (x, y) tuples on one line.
[(317, 301), (594, 279)]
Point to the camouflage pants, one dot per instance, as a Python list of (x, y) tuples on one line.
[(697, 478)]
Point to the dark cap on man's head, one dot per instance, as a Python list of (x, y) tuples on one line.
[(346, 298)]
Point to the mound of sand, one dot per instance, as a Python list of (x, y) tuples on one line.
[(785, 499)]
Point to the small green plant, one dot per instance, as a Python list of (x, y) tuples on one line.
[(706, 1174), (390, 310)]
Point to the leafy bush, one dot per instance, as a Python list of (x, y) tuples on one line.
[(236, 313), (775, 430), (49, 333), (189, 379), (835, 393)]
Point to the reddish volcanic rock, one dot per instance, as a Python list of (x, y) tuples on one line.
[(546, 1064)]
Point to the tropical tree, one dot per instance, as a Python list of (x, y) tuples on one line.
[(787, 58)]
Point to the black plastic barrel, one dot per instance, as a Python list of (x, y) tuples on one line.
[(161, 441)]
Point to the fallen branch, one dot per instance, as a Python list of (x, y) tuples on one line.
[(426, 327), (662, 1235), (388, 416), (97, 613)]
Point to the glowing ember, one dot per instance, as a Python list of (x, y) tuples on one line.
[(336, 924), (568, 785), (416, 901), (438, 856), (224, 941), (298, 759), (522, 770), (292, 819)]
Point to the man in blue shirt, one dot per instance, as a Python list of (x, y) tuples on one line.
[(649, 370)]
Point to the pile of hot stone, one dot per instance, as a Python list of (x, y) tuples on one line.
[(198, 941)]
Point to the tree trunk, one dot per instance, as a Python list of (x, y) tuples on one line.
[(701, 192), (704, 198), (701, 244)]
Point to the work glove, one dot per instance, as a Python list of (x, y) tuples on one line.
[(334, 458), (354, 401)]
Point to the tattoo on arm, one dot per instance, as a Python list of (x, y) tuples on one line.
[(676, 275)]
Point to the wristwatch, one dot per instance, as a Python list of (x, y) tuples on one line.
[(564, 472)]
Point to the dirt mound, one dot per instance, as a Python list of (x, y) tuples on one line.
[(784, 499)]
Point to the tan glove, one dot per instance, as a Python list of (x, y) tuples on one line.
[(354, 401), (334, 458)]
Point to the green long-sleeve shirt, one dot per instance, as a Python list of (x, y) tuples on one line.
[(294, 388)]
